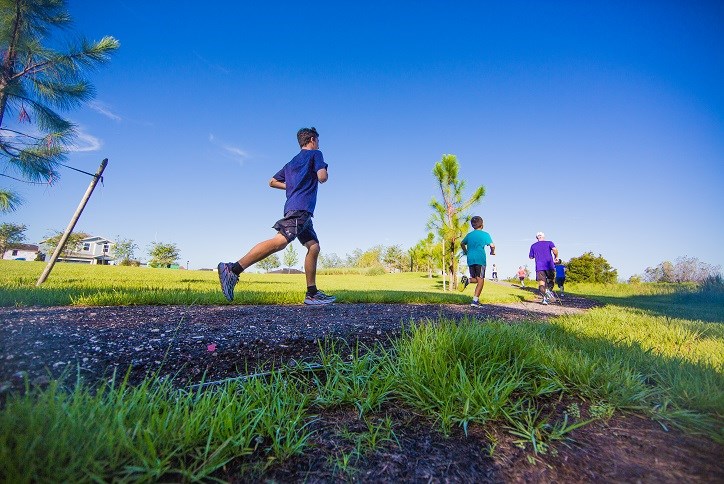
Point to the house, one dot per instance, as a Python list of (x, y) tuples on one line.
[(21, 252), (91, 250)]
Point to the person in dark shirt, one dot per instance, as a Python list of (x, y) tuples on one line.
[(300, 179)]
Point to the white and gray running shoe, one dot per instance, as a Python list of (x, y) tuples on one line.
[(227, 279), (319, 299)]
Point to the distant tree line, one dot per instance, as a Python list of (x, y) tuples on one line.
[(683, 269)]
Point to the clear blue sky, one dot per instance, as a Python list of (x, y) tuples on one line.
[(599, 123)]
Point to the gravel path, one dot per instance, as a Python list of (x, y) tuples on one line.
[(216, 341)]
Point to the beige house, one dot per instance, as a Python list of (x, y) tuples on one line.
[(92, 250), (21, 252)]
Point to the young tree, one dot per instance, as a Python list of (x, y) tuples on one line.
[(329, 261), (125, 250), (269, 263), (394, 258), (290, 256), (590, 268), (353, 258), (10, 234), (371, 257), (423, 255), (73, 244), (450, 218), (36, 81), (163, 255)]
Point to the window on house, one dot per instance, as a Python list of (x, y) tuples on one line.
[(15, 252), (86, 246), (105, 248)]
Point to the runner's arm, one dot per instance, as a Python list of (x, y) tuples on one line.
[(322, 175), (274, 183)]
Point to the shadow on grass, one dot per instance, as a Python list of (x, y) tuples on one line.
[(705, 306)]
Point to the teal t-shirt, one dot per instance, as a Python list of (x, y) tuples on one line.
[(476, 241)]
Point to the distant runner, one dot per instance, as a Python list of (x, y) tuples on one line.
[(473, 246), (544, 251)]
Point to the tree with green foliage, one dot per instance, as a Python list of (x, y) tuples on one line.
[(423, 254), (395, 259), (269, 263), (10, 234), (450, 217), (162, 255), (125, 251), (37, 81), (372, 257), (73, 244), (330, 261), (590, 268), (290, 256)]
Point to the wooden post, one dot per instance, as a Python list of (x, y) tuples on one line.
[(72, 223)]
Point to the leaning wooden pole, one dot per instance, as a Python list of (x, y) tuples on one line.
[(72, 223)]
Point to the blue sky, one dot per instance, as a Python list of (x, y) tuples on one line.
[(599, 123)]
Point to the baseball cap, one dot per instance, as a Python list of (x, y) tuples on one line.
[(540, 234)]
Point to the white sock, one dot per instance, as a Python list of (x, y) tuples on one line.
[(475, 299)]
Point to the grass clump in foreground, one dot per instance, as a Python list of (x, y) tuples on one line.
[(538, 381)]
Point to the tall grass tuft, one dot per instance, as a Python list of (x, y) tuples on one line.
[(147, 433)]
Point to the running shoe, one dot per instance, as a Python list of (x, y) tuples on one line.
[(464, 281), (319, 299), (227, 279), (545, 301), (476, 304), (549, 294)]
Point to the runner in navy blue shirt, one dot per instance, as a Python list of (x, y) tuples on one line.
[(300, 178), (560, 275)]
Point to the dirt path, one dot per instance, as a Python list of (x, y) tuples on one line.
[(219, 341)]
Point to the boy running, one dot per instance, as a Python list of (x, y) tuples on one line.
[(560, 275), (300, 179), (473, 245)]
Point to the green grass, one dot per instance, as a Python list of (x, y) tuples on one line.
[(148, 432), (84, 285), (685, 301)]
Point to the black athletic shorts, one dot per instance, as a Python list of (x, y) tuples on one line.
[(548, 275), (296, 224), (476, 270), (560, 281)]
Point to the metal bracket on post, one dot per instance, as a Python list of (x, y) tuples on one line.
[(71, 225)]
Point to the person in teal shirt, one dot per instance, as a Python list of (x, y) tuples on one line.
[(473, 246)]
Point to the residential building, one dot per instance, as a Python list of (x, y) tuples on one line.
[(92, 250), (21, 252)]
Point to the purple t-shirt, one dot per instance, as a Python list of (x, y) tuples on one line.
[(541, 250), (300, 176)]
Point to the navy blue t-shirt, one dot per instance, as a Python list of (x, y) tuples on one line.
[(300, 176)]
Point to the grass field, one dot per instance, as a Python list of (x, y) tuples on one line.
[(656, 350), (85, 285)]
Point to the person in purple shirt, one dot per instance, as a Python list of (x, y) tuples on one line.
[(299, 179), (544, 252)]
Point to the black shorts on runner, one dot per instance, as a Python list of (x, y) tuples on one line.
[(548, 275), (296, 224), (560, 281), (476, 270)]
